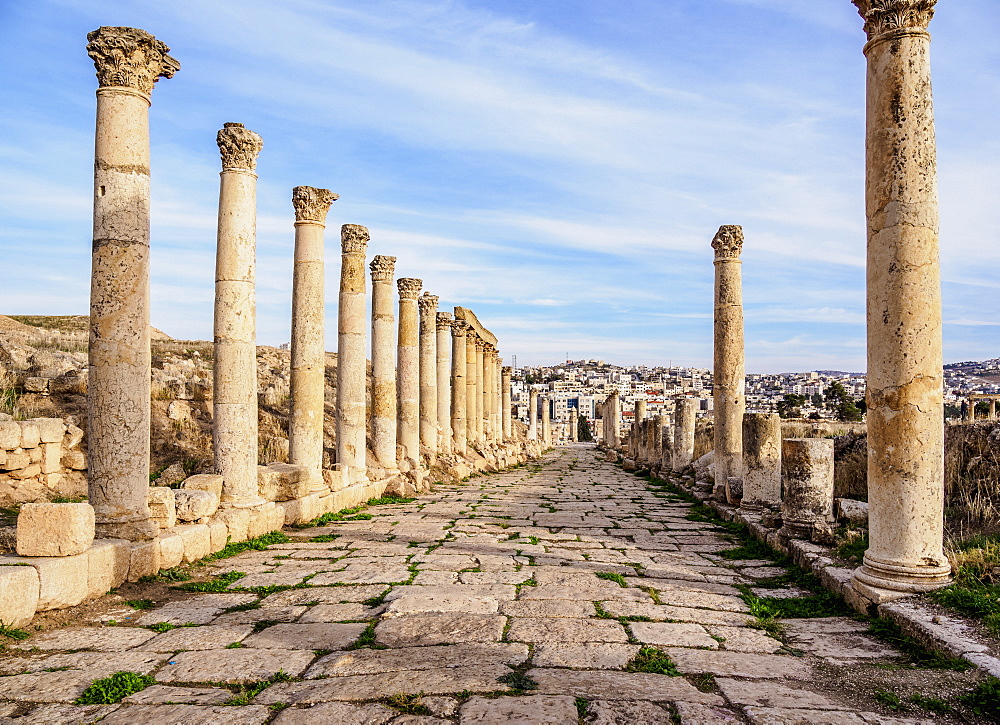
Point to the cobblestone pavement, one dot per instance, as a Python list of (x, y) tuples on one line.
[(483, 598)]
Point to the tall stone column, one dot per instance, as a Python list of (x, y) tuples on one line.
[(905, 367), (993, 408), (128, 62), (533, 415), (408, 370), (507, 423), (635, 441), (487, 368), (234, 429), (308, 353), (443, 322), (428, 373), (496, 394), (616, 420), (472, 399), (480, 392), (685, 416), (574, 425), (546, 422), (728, 372), (807, 473), (459, 389), (351, 359), (761, 461), (383, 409)]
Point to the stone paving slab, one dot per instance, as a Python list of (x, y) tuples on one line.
[(188, 715), (673, 634), (234, 665), (533, 710), (62, 715), (164, 694), (306, 636), (553, 629), (374, 661), (100, 639), (211, 636), (626, 712), (47, 686), (740, 664), (584, 656), (429, 629), (339, 713), (323, 595), (612, 685)]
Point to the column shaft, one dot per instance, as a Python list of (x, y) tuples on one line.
[(507, 423), (408, 371), (443, 322), (807, 474), (533, 415), (546, 422), (459, 389), (428, 373), (383, 408), (471, 397), (761, 461), (685, 417), (351, 359)]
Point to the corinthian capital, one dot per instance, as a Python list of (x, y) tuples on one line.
[(239, 146), (311, 205), (884, 16), (353, 239), (444, 321), (129, 58), (459, 328), (507, 371), (382, 268), (728, 242), (428, 303), (409, 288)]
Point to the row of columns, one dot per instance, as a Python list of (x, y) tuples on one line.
[(970, 410)]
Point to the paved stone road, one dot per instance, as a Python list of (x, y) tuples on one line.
[(501, 585)]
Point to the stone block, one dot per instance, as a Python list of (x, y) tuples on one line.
[(17, 459), (162, 506), (72, 437), (851, 511), (51, 457), (237, 521), (282, 481), (20, 587), (144, 559), (31, 436), (197, 541), (192, 505), (54, 529), (10, 435), (50, 430), (262, 520), (35, 454), (211, 482), (73, 460), (171, 549), (268, 483), (108, 566), (36, 385), (219, 535), (62, 580)]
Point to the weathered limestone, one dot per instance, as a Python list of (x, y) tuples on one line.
[(54, 529), (905, 375), (807, 476), (351, 357), (761, 461), (615, 412), (444, 322), (507, 423), (480, 391), (728, 371), (685, 415), (635, 439), (574, 425), (533, 415), (546, 421), (472, 398), (128, 62), (459, 389), (234, 401), (383, 410), (308, 349), (408, 371), (428, 373)]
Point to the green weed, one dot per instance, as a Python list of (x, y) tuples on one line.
[(650, 659), (889, 632), (612, 577), (109, 690)]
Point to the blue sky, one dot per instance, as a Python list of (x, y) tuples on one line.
[(560, 167)]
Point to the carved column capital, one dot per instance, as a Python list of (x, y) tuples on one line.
[(353, 239), (239, 146), (409, 288), (886, 16), (728, 242), (129, 58), (444, 321), (311, 204), (459, 328), (383, 268), (507, 371), (427, 303)]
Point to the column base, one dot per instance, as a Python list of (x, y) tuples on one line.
[(796, 528), (135, 530), (897, 578)]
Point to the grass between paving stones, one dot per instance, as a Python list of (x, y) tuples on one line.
[(612, 577), (976, 591), (653, 660), (984, 699), (353, 513), (518, 681), (109, 690), (12, 633), (140, 604), (581, 707), (366, 640), (220, 583), (890, 633), (408, 704), (248, 692)]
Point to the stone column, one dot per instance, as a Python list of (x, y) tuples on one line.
[(574, 425), (234, 408), (807, 474), (480, 392), (471, 396), (459, 389), (128, 62), (728, 372), (993, 408), (351, 358), (507, 423), (533, 415), (496, 395), (383, 409), (616, 420), (443, 322), (488, 393), (761, 461), (428, 373), (685, 416), (905, 367), (308, 363), (408, 370), (665, 443), (546, 422), (639, 413)]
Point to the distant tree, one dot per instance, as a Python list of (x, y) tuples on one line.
[(815, 416), (817, 399), (788, 406), (530, 379), (952, 411), (583, 429)]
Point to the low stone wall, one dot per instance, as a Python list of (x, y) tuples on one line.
[(40, 459)]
